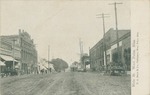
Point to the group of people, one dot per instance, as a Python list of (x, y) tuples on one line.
[(42, 71)]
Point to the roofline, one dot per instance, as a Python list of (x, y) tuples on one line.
[(108, 32)]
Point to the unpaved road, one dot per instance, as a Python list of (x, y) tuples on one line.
[(70, 83)]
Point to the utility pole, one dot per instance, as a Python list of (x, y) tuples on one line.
[(48, 56), (90, 56), (13, 53), (116, 22), (103, 16), (81, 51), (81, 47)]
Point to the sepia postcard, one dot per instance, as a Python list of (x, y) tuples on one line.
[(74, 47)]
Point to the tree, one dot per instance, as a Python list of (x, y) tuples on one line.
[(59, 64)]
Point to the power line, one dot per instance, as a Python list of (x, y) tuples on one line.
[(116, 21), (103, 16)]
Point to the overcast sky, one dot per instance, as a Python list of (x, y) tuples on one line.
[(61, 23)]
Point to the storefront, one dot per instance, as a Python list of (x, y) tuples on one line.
[(2, 67), (10, 64)]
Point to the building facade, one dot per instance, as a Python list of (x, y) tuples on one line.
[(28, 52), (97, 52), (9, 55), (97, 56), (9, 48)]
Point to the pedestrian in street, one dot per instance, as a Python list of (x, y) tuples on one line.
[(42, 71)]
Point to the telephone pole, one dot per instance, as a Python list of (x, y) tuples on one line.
[(103, 16), (116, 22), (48, 56), (13, 44), (81, 47), (81, 52)]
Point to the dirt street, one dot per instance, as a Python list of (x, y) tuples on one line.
[(69, 83)]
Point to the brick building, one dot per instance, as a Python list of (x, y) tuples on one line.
[(28, 52), (97, 56), (97, 51), (9, 53), (8, 47)]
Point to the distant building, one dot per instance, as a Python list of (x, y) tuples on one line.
[(46, 66), (27, 55), (85, 60), (97, 51), (74, 66)]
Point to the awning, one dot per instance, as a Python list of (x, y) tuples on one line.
[(2, 63), (7, 58)]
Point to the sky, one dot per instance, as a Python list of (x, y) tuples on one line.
[(61, 23)]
